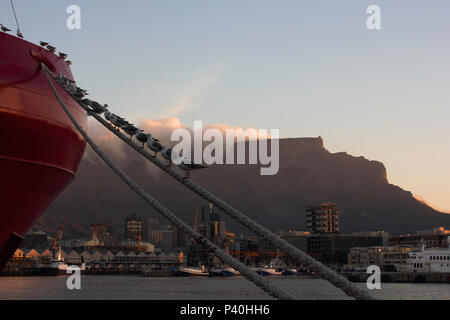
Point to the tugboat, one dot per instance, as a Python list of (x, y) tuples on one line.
[(54, 268)]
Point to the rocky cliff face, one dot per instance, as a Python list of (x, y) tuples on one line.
[(308, 174)]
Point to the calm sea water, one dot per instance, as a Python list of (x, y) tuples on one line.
[(136, 287)]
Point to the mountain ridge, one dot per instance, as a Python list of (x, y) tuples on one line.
[(308, 174)]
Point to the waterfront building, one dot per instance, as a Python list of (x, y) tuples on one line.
[(35, 240), (133, 227), (137, 245), (323, 218), (85, 257), (299, 239), (33, 254), (163, 239), (150, 224), (434, 238), (383, 234), (382, 256), (333, 249), (72, 258)]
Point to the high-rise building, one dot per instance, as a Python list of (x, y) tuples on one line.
[(133, 227), (163, 239), (150, 224), (323, 218)]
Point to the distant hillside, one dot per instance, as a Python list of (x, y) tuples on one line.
[(308, 174)]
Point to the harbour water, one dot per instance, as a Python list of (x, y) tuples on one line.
[(193, 288)]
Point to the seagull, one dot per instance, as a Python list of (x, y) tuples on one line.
[(154, 144), (43, 44), (130, 129), (4, 29), (59, 78), (188, 167), (108, 115), (62, 55), (142, 137), (19, 34), (97, 107), (115, 121), (86, 102), (51, 48), (111, 117), (122, 122), (169, 154), (80, 93)]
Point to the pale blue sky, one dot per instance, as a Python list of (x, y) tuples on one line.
[(309, 68)]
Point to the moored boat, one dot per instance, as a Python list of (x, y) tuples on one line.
[(193, 271)]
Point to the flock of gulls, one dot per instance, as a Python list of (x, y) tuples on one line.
[(118, 122), (42, 43)]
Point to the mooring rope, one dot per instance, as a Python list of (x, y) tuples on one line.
[(349, 288), (169, 215), (15, 16)]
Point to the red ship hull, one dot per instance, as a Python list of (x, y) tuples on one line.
[(40, 149)]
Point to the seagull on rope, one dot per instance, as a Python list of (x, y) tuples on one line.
[(142, 137), (130, 129), (154, 144), (170, 155), (188, 167)]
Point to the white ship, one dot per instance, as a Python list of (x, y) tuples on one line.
[(428, 260)]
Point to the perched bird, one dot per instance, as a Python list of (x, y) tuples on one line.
[(108, 115), (80, 93), (59, 78), (170, 155), (4, 29), (130, 129), (111, 117), (115, 121), (69, 63), (188, 167), (51, 48), (86, 102), (43, 44), (97, 107), (142, 137), (62, 55), (154, 144), (19, 34), (122, 122)]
